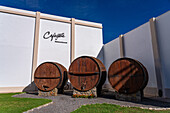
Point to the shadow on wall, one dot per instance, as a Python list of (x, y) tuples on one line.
[(100, 56), (31, 88)]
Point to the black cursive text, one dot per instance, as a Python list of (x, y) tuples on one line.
[(54, 36)]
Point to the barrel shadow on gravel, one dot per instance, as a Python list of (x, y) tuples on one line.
[(148, 101), (145, 101), (68, 92)]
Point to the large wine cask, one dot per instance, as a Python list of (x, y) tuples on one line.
[(50, 75), (127, 75), (86, 73)]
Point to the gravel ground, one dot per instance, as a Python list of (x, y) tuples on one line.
[(64, 103)]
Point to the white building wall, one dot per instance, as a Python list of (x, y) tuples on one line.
[(49, 49), (163, 33), (88, 41), (16, 48)]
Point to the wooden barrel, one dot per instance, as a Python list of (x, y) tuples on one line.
[(86, 73), (50, 75), (127, 76), (146, 77)]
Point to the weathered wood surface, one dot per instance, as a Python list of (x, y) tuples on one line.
[(86, 72), (127, 76), (50, 75)]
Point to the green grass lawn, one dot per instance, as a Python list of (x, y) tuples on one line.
[(10, 104), (110, 108)]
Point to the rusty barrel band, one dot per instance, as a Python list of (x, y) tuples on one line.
[(83, 74), (47, 77), (124, 75)]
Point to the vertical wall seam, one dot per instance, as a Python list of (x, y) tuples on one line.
[(103, 55), (35, 47), (72, 39), (156, 54), (121, 43)]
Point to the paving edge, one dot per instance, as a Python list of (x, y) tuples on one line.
[(38, 107), (157, 109), (149, 108)]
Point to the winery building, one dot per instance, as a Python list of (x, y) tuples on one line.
[(31, 38)]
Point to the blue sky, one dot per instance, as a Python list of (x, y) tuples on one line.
[(117, 16)]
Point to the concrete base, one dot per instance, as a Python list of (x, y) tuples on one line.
[(154, 92), (166, 93), (87, 93), (53, 92), (11, 89), (151, 91)]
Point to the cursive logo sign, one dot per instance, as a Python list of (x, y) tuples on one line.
[(54, 37)]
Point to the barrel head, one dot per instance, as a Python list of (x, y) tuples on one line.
[(47, 76), (126, 76), (84, 73)]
